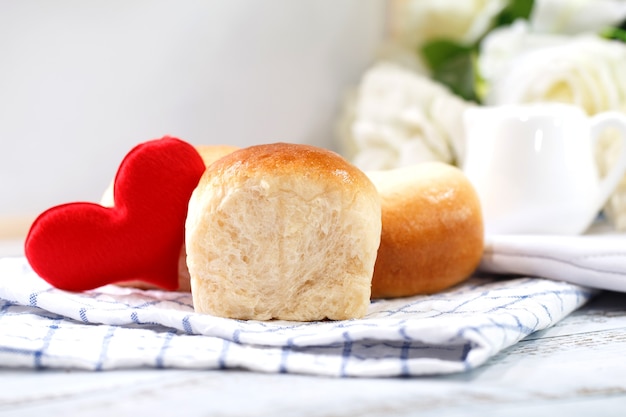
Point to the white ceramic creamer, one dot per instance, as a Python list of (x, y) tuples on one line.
[(534, 169)]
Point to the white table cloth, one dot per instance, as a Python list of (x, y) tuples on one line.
[(596, 259)]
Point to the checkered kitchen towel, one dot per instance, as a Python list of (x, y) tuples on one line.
[(114, 327)]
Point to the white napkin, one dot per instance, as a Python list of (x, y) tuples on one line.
[(114, 327), (596, 259)]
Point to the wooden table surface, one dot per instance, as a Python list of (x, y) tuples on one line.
[(576, 368)]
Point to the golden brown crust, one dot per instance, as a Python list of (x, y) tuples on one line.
[(432, 230), (286, 159)]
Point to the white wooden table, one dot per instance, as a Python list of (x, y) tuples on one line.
[(577, 368)]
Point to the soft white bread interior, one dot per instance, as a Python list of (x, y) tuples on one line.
[(209, 154), (432, 230), (283, 231)]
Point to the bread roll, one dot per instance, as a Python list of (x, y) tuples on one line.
[(432, 230), (209, 154), (283, 231)]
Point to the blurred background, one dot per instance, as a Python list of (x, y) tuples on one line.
[(82, 82), (383, 82)]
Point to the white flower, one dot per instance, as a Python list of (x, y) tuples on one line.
[(586, 70), (575, 16), (463, 21), (398, 117)]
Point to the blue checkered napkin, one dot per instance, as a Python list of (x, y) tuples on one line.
[(114, 327)]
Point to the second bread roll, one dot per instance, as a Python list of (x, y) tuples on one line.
[(432, 230), (283, 231)]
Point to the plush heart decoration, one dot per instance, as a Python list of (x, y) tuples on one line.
[(81, 246)]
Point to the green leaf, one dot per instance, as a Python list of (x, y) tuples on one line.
[(480, 84), (458, 75), (452, 65), (614, 33), (516, 9), (438, 52)]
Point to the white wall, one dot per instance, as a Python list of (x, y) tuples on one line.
[(81, 82)]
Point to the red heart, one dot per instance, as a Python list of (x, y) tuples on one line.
[(81, 246)]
